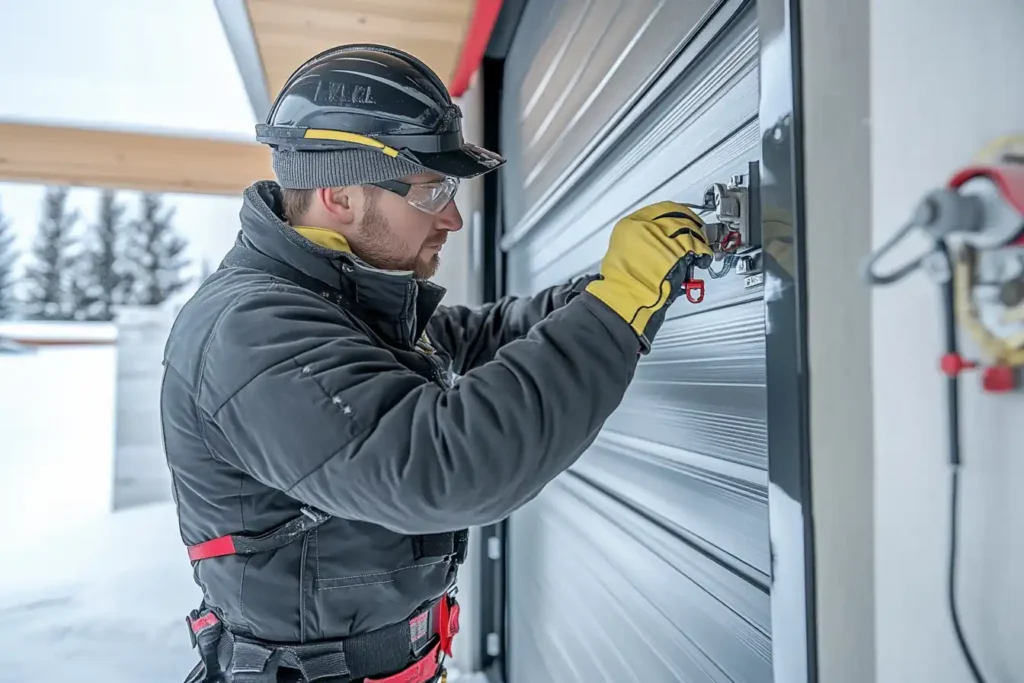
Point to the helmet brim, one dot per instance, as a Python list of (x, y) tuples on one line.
[(469, 161)]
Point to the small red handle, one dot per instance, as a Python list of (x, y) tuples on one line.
[(953, 364), (732, 241), (694, 291)]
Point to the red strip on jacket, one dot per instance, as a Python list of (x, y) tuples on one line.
[(217, 547)]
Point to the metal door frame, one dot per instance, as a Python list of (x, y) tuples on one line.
[(791, 523)]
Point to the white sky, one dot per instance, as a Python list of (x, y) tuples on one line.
[(160, 67), (123, 64)]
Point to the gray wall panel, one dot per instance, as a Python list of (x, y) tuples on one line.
[(649, 561)]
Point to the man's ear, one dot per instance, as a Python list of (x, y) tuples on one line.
[(339, 203)]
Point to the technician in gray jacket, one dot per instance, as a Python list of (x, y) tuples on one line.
[(325, 465)]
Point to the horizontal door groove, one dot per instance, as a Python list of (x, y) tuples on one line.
[(751, 575), (691, 157), (698, 566), (721, 18), (674, 614), (577, 238)]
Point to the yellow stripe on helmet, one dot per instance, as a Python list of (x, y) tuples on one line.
[(341, 136)]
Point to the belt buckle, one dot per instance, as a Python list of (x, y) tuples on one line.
[(192, 616)]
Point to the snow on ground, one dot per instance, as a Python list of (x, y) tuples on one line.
[(41, 331), (86, 595), (103, 604), (56, 439)]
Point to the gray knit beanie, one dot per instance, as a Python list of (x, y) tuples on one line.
[(337, 168)]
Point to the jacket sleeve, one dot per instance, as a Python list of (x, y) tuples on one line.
[(338, 423), (473, 335)]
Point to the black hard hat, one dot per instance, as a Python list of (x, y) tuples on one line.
[(372, 97)]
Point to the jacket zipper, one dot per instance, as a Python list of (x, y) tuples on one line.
[(302, 587), (437, 370)]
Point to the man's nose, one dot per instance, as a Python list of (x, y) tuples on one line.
[(450, 219)]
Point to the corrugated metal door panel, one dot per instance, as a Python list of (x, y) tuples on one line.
[(581, 62), (606, 595), (713, 131), (649, 560)]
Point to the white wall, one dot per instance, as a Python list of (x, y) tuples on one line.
[(944, 81), (56, 434), (898, 94)]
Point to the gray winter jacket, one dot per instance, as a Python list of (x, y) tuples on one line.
[(275, 398)]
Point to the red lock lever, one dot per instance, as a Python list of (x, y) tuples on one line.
[(693, 287), (694, 291), (732, 241)]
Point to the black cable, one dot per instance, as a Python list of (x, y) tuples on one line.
[(899, 273), (953, 403)]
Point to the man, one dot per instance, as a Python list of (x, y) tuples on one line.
[(325, 464)]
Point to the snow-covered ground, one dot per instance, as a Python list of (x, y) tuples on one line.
[(56, 438), (104, 603), (87, 595)]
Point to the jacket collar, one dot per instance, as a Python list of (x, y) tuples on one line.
[(393, 303)]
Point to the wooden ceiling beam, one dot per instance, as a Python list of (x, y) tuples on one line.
[(288, 32), (130, 161)]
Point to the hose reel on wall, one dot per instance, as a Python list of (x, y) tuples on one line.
[(976, 227)]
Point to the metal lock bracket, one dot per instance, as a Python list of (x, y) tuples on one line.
[(730, 229), (733, 226)]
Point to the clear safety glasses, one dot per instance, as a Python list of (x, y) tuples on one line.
[(431, 197)]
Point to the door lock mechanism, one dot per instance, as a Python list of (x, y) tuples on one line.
[(729, 231), (733, 229)]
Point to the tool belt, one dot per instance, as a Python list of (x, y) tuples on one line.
[(414, 650)]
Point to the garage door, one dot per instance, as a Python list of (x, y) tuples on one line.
[(649, 560)]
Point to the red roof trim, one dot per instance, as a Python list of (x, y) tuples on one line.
[(485, 16)]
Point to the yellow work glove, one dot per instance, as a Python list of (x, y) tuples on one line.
[(650, 256)]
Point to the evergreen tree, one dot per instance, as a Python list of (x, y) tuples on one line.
[(49, 275), (8, 258), (103, 281), (157, 253)]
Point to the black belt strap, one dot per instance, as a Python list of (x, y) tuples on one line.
[(249, 660), (438, 545)]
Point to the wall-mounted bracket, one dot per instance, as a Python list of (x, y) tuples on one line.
[(733, 228)]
